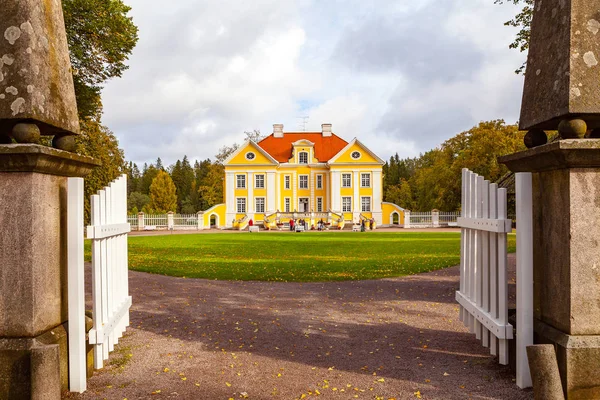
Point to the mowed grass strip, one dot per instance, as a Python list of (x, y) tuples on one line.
[(295, 257)]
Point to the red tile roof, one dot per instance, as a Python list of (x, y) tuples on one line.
[(281, 148)]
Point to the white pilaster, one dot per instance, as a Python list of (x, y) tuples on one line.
[(250, 201), (376, 181), (229, 199), (271, 206), (294, 205), (356, 202), (336, 198), (278, 189), (327, 199), (312, 204)]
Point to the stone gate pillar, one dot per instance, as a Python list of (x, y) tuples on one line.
[(33, 269), (37, 97), (562, 92)]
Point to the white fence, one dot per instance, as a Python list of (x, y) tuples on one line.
[(483, 293), (185, 221), (170, 220), (158, 221), (430, 219), (133, 221)]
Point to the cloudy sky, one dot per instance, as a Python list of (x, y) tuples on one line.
[(400, 75)]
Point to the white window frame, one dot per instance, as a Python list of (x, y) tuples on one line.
[(237, 181), (287, 179), (319, 182), (300, 182), (349, 180), (238, 204), (259, 210), (287, 204), (344, 208), (256, 185), (362, 204), (300, 157), (362, 177), (319, 204)]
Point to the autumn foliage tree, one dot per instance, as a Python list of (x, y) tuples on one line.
[(163, 194), (434, 180)]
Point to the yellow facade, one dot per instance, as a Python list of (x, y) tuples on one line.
[(311, 176)]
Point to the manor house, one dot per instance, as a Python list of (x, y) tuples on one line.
[(315, 176)]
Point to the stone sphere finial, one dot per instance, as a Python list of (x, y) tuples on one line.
[(535, 138), (64, 142), (572, 128), (26, 133)]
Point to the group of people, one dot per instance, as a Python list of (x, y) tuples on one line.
[(304, 224), (364, 222)]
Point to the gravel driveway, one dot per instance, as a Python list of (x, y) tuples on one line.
[(383, 339)]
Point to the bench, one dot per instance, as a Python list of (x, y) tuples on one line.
[(299, 228), (253, 228), (150, 227), (355, 228), (452, 223)]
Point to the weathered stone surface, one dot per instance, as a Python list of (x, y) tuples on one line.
[(46, 160), (572, 153), (578, 359), (544, 372), (35, 71), (566, 226), (28, 367), (33, 237), (562, 67), (45, 373)]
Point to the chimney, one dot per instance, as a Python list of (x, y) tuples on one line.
[(326, 128), (278, 130)]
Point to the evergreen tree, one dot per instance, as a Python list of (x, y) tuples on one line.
[(163, 197), (148, 176)]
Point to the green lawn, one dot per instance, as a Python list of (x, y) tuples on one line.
[(302, 257)]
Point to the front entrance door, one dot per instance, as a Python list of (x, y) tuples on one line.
[(303, 204)]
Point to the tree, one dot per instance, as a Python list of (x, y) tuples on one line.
[(148, 175), (437, 182), (163, 197), (522, 21), (137, 200), (133, 177), (210, 189), (225, 152), (254, 135), (99, 142), (101, 37)]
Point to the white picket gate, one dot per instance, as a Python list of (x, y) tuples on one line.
[(110, 288), (110, 293), (483, 293)]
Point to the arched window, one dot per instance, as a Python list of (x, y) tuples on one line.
[(303, 157)]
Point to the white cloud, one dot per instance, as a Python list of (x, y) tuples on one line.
[(402, 77)]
